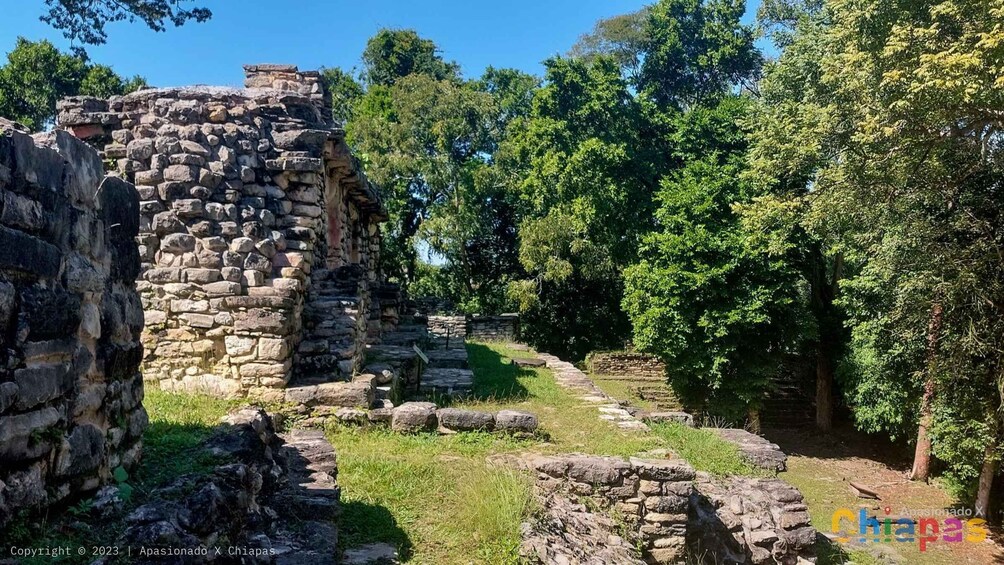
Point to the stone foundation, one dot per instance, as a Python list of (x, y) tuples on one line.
[(70, 387), (651, 498), (627, 363), (478, 328), (259, 234)]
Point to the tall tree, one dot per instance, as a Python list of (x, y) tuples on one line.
[(396, 53), (585, 198), (892, 107), (706, 296), (695, 49)]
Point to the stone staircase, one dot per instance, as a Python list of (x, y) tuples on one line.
[(334, 319), (791, 400)]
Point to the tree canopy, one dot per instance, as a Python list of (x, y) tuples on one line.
[(85, 20), (37, 75)]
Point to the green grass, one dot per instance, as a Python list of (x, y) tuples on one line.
[(705, 451), (437, 499), (621, 390)]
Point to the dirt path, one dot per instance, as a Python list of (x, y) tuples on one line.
[(822, 466)]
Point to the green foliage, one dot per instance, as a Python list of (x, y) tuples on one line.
[(695, 50), (85, 20), (584, 199), (37, 75), (881, 114), (392, 54), (345, 91), (718, 309), (620, 37)]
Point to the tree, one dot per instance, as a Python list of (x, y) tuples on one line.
[(717, 306), (85, 20), (396, 53), (892, 109), (620, 37), (345, 91), (37, 75), (585, 198), (694, 49)]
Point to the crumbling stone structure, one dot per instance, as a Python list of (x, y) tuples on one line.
[(628, 363), (70, 321), (651, 495), (259, 235), (481, 328)]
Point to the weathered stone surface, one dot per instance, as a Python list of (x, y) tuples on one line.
[(459, 420), (413, 417), (755, 449), (515, 421), (70, 388), (233, 203), (671, 417)]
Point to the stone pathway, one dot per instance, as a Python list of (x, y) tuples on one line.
[(571, 378)]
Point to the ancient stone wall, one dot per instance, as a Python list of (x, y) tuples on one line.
[(653, 496), (259, 234), (70, 321), (480, 328), (630, 364)]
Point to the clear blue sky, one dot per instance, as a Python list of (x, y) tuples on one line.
[(315, 33)]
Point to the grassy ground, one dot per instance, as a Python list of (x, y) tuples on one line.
[(437, 500), (620, 389)]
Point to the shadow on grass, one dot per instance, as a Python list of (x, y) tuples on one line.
[(494, 378), (362, 523)]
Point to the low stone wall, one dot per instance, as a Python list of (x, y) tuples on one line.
[(628, 364), (70, 321), (481, 328), (448, 326), (751, 521), (653, 495), (494, 328)]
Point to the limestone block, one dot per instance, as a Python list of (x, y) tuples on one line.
[(412, 417), (515, 421), (465, 420)]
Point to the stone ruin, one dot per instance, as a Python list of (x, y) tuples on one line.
[(258, 233), (71, 393), (611, 511)]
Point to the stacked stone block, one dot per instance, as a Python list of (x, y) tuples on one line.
[(70, 321), (258, 231), (480, 328), (652, 494), (630, 364)]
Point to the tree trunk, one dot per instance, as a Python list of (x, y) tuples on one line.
[(754, 418), (824, 292), (922, 455), (987, 474), (824, 391)]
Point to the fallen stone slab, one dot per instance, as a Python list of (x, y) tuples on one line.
[(669, 417), (413, 417), (514, 421), (528, 362), (754, 449), (458, 420)]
